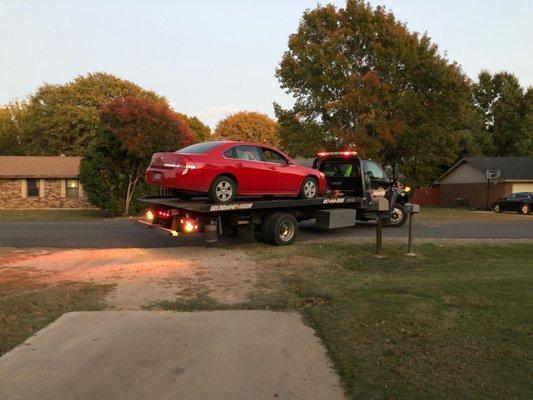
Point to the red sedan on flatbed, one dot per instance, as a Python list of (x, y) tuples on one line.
[(225, 169)]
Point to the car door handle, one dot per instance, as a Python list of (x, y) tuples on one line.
[(239, 164), (272, 168)]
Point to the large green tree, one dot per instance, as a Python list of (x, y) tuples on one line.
[(64, 119), (131, 130), (11, 129), (525, 143), (366, 81), (501, 101)]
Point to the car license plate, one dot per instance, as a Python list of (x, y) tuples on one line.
[(157, 176)]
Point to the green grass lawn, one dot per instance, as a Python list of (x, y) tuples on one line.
[(52, 215), (26, 308), (448, 213), (453, 322)]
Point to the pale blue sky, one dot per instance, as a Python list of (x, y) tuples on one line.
[(210, 58)]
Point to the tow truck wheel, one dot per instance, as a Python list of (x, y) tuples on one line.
[(397, 217), (281, 229), (309, 188), (222, 190)]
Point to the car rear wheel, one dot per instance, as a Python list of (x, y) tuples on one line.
[(497, 208), (309, 188), (524, 209), (223, 190)]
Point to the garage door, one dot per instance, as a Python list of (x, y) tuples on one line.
[(522, 187)]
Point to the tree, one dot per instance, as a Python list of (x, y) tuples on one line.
[(370, 83), (525, 143), (248, 126), (200, 130), (502, 103), (11, 129), (131, 130), (64, 119)]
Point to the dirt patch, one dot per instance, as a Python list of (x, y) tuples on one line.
[(141, 276)]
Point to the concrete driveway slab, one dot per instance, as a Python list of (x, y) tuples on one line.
[(165, 355)]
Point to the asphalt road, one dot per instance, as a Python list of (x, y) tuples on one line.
[(124, 234)]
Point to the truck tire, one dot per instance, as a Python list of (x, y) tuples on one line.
[(265, 228), (222, 190), (397, 217), (281, 229)]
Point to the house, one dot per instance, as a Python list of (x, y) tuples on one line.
[(41, 182), (474, 180)]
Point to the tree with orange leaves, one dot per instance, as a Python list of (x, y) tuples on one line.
[(248, 126)]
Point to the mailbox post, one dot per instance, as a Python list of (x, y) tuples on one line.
[(411, 209), (381, 206)]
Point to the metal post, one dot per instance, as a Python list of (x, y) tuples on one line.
[(379, 234), (488, 193), (410, 241), (411, 209)]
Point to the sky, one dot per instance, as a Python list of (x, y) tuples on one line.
[(212, 58)]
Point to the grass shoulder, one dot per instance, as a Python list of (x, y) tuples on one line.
[(448, 213), (26, 306)]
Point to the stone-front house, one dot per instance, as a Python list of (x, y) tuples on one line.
[(41, 182), (465, 183)]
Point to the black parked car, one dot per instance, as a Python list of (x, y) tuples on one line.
[(521, 202)]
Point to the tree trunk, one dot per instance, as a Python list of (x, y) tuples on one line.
[(128, 196), (132, 183)]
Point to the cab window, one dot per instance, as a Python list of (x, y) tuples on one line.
[(373, 170), (272, 156), (339, 170)]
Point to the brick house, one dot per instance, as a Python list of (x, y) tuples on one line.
[(41, 182), (465, 183)]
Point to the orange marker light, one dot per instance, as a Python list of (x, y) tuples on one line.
[(149, 215), (188, 227)]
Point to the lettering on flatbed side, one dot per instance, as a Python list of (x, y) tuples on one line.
[(331, 201), (228, 207)]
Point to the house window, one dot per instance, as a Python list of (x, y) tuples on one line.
[(73, 188), (33, 187)]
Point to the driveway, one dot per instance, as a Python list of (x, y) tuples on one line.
[(127, 234), (132, 355)]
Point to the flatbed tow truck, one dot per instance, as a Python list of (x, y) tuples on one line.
[(276, 219)]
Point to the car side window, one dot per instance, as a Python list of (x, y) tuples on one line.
[(272, 156), (520, 196), (230, 153), (248, 153), (373, 170)]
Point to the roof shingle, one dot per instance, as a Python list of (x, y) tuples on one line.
[(39, 166)]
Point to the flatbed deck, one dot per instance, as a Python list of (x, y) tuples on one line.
[(202, 205)]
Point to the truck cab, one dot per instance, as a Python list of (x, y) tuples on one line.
[(348, 174)]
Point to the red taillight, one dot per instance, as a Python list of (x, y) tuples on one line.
[(163, 214)]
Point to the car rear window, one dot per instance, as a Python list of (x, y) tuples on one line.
[(199, 148)]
